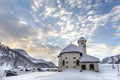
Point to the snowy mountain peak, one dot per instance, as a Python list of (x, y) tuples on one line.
[(112, 59), (18, 57)]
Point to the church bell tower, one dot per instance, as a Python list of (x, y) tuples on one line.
[(82, 43)]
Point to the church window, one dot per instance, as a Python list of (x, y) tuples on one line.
[(66, 66), (83, 67), (77, 62), (73, 62), (91, 66), (82, 43), (74, 57), (65, 57), (63, 63), (74, 66), (66, 62)]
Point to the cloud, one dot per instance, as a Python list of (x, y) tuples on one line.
[(36, 4), (91, 12), (23, 22), (40, 26), (117, 30), (49, 11), (115, 13), (99, 50), (116, 50), (109, 1), (102, 50)]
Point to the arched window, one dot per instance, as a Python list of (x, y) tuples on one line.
[(77, 62), (83, 45), (63, 63), (83, 67), (91, 66)]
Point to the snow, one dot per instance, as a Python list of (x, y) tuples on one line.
[(71, 48), (1, 73), (82, 39), (88, 58), (50, 69), (6, 67), (106, 73), (112, 59), (85, 57)]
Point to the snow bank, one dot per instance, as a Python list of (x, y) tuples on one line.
[(1, 73), (71, 70), (5, 67), (106, 73)]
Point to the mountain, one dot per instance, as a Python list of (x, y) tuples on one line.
[(113, 59), (15, 58)]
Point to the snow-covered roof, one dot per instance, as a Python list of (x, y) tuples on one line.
[(88, 58), (82, 39), (72, 48)]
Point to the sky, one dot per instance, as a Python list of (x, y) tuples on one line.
[(44, 27)]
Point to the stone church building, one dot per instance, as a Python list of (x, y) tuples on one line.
[(76, 57)]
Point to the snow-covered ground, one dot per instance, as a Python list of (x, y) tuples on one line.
[(106, 73)]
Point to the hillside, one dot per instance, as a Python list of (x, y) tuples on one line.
[(112, 59), (14, 58)]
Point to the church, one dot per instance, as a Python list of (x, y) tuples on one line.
[(74, 56)]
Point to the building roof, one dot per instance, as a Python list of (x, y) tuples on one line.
[(82, 39), (88, 58), (72, 48)]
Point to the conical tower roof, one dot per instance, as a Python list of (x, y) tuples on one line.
[(82, 39)]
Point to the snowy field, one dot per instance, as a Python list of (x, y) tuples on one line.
[(106, 73)]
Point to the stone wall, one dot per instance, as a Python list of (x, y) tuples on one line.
[(70, 62)]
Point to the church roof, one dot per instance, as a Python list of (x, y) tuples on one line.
[(88, 58), (82, 39), (72, 48)]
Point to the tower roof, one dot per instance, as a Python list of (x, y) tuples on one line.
[(88, 58), (82, 39)]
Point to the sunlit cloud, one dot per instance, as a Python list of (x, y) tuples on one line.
[(99, 50), (43, 27), (116, 50), (23, 22)]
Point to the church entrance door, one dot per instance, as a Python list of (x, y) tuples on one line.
[(83, 67), (91, 66)]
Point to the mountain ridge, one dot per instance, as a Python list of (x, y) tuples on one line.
[(112, 59), (15, 58)]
